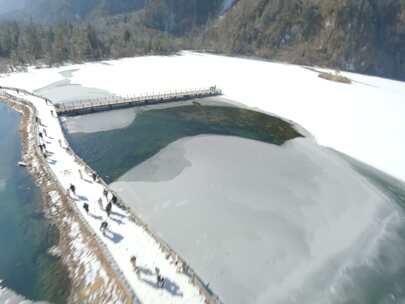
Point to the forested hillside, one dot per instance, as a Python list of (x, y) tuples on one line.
[(54, 11), (360, 35), (77, 30), (181, 16), (176, 16)]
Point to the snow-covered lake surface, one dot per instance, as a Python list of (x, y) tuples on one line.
[(261, 223), (363, 120), (103, 121)]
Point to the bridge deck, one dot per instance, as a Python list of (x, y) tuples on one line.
[(106, 104)]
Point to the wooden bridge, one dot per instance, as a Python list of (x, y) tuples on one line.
[(105, 104)]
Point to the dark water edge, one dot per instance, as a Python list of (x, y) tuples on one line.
[(25, 233), (112, 153)]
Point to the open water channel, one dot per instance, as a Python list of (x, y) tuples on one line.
[(26, 268)]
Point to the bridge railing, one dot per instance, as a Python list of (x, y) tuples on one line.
[(136, 100)]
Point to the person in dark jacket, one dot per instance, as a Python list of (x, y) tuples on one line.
[(103, 226), (108, 209), (72, 188), (160, 281), (86, 207), (133, 262)]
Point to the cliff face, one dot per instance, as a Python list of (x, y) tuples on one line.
[(367, 36)]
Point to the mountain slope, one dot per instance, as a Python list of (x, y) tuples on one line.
[(175, 16), (181, 16), (7, 5), (52, 11), (363, 35)]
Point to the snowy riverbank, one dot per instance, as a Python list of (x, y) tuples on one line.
[(363, 120)]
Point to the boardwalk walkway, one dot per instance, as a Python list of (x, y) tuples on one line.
[(106, 104)]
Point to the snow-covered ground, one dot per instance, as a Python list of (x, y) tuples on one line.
[(264, 223), (123, 238), (101, 121), (363, 120)]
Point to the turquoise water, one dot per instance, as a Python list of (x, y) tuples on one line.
[(113, 152), (25, 234)]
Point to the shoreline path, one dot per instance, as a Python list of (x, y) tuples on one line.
[(123, 238)]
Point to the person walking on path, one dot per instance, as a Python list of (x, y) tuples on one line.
[(103, 227), (43, 148), (160, 281), (108, 209), (133, 263), (94, 176), (105, 192), (72, 189), (86, 207)]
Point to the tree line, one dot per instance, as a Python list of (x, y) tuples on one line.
[(161, 27), (25, 44)]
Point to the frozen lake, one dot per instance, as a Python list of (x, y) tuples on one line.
[(323, 240), (260, 222), (64, 90)]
